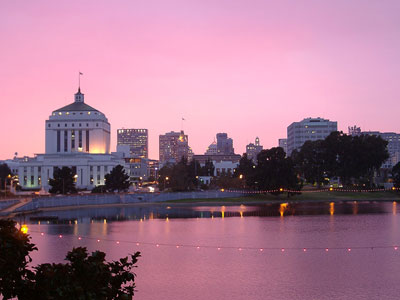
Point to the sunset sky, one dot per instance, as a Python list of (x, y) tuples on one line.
[(248, 68)]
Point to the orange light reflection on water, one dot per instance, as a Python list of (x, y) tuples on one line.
[(283, 208)]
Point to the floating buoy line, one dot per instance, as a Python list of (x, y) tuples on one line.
[(221, 247)]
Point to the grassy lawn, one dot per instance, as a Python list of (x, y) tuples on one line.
[(322, 196)]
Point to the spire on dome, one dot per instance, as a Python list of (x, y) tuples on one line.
[(79, 97)]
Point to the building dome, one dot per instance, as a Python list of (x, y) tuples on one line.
[(77, 127), (78, 107)]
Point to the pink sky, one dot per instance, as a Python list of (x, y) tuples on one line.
[(248, 68)]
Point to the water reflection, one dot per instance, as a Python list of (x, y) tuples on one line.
[(282, 208), (143, 213), (332, 208)]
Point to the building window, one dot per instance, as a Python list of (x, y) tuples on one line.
[(65, 140), (80, 124), (39, 180), (98, 168), (32, 180), (49, 125), (25, 180), (65, 125), (97, 124), (73, 125), (58, 140), (80, 139), (58, 125), (39, 170), (73, 139), (87, 140)]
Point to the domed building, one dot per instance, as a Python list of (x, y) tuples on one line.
[(77, 127), (77, 136)]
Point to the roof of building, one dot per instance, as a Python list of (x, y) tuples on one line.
[(76, 106)]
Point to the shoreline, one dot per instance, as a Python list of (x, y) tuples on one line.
[(234, 201)]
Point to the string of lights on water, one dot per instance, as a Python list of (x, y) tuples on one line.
[(82, 238), (331, 189)]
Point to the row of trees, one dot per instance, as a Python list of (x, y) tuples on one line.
[(352, 159), (273, 172), (63, 181), (183, 176), (84, 276)]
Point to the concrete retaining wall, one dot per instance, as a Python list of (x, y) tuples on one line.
[(58, 201)]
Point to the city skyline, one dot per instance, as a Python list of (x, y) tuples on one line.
[(247, 70)]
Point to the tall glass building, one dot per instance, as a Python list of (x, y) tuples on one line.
[(137, 139)]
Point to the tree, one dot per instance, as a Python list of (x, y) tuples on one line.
[(353, 159), (4, 172), (85, 277), (207, 169), (246, 171), (63, 181), (82, 277), (310, 162), (396, 175), (182, 176), (117, 179), (274, 171), (14, 259), (164, 175)]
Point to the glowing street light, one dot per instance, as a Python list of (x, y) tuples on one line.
[(24, 229)]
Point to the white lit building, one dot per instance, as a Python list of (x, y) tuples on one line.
[(78, 137)]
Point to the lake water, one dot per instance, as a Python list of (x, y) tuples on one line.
[(197, 269)]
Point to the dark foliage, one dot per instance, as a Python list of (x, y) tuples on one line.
[(351, 158), (183, 176), (117, 180), (396, 175), (275, 171), (14, 258), (4, 172), (63, 181), (82, 277)]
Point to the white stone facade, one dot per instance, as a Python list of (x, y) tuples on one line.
[(78, 137)]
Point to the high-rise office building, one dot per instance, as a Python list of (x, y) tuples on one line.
[(252, 150), (137, 139), (310, 129), (224, 144), (283, 144), (174, 146)]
